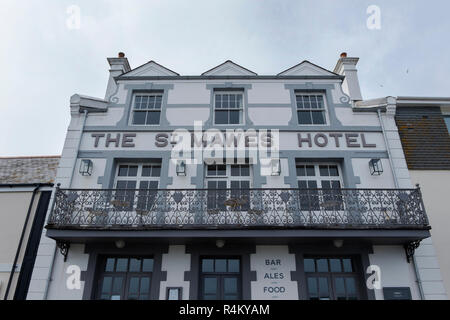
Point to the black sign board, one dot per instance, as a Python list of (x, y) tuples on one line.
[(397, 293)]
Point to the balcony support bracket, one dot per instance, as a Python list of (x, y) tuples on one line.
[(410, 248), (63, 248)]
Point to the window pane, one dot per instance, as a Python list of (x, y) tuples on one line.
[(117, 286), (132, 171), (312, 288), (110, 264), (225, 101), (334, 171), (301, 171), (122, 265), (239, 100), (230, 297), (323, 289), (156, 171), (221, 170), (147, 265), (211, 171), (234, 117), (146, 171), (218, 101), (134, 285), (221, 265), (245, 171), (323, 171), (235, 172), (351, 287), (145, 285), (302, 185), (318, 117), (306, 102), (230, 285), (210, 285), (322, 265), (347, 265), (158, 101), (135, 265), (208, 265), (221, 117), (309, 265), (310, 171), (123, 171), (335, 265), (107, 282), (320, 104), (304, 117), (209, 297), (139, 117), (326, 184), (232, 101), (153, 117), (313, 100), (340, 288), (233, 265)]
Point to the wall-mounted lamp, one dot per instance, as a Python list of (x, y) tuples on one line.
[(86, 167), (120, 244), (276, 167), (181, 168), (338, 243), (220, 243), (375, 166)]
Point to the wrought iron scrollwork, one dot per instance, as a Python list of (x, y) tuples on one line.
[(197, 208), (410, 248), (64, 247)]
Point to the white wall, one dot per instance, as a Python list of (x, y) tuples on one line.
[(175, 263), (395, 270)]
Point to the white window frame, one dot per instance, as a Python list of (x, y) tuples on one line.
[(241, 110), (228, 177), (132, 109), (317, 177), (138, 178), (325, 107)]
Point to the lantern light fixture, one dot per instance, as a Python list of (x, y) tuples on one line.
[(86, 167), (276, 167), (181, 168), (375, 166)]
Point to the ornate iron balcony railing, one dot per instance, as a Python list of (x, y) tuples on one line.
[(228, 208)]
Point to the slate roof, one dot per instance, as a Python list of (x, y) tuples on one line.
[(41, 169)]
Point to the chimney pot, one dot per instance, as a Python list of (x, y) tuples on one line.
[(121, 55), (344, 55)]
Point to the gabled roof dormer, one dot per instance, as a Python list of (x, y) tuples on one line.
[(150, 69), (306, 68), (229, 68)]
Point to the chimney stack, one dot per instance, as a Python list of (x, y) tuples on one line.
[(119, 66), (346, 66)]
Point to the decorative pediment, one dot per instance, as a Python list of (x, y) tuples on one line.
[(229, 68), (150, 69), (306, 68)]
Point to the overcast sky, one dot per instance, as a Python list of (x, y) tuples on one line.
[(44, 62)]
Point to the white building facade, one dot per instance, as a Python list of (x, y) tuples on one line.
[(232, 185)]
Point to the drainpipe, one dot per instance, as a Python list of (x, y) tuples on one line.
[(50, 272), (19, 247), (416, 271), (388, 149), (419, 281)]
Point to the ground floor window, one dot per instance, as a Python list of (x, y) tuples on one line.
[(220, 278), (331, 278), (124, 278)]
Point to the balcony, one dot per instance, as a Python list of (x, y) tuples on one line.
[(228, 209)]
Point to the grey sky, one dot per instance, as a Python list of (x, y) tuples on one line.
[(44, 62)]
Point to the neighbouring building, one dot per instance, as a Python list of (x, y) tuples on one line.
[(424, 127), (232, 185), (25, 190)]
